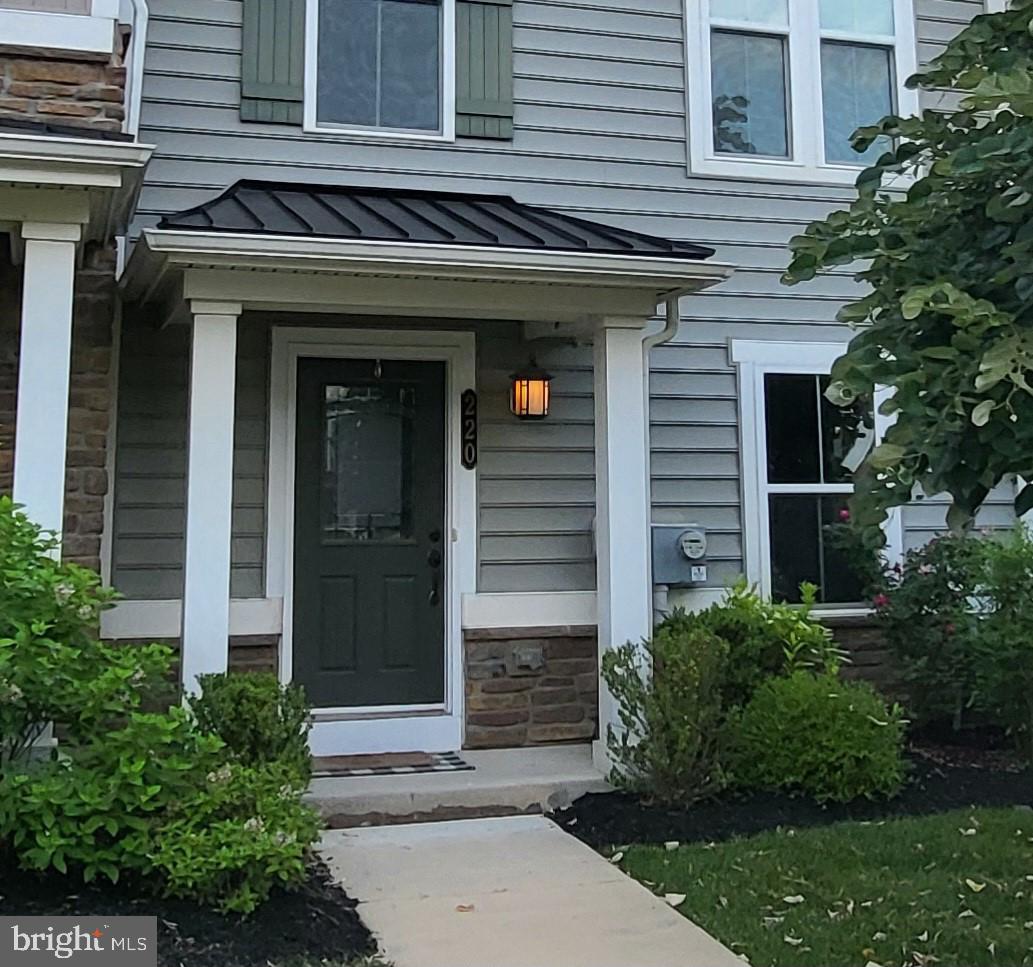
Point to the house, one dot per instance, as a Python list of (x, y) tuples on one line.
[(303, 264)]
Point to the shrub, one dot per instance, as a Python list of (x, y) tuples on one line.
[(766, 639), (931, 618), (669, 701), (128, 792), (232, 842), (260, 720), (819, 735), (1003, 648), (94, 810)]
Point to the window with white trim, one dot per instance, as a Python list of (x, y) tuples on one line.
[(381, 66), (799, 454), (777, 87)]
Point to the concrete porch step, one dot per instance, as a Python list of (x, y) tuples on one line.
[(503, 782)]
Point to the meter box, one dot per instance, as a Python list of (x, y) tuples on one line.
[(679, 554)]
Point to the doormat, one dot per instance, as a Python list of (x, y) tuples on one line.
[(389, 764)]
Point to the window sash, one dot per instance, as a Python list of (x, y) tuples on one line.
[(808, 162), (754, 360), (445, 129)]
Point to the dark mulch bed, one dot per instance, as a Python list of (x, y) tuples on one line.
[(315, 924), (941, 779)]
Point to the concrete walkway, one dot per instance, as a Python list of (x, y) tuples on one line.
[(508, 892)]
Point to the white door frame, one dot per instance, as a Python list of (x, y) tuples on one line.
[(347, 731)]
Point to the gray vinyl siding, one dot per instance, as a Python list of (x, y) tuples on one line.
[(150, 467), (599, 131)]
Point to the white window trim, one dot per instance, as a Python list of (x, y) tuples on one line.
[(754, 360), (448, 85), (804, 96), (92, 33)]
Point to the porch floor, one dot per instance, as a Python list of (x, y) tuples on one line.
[(503, 782)]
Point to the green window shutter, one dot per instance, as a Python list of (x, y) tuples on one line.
[(272, 71), (484, 69)]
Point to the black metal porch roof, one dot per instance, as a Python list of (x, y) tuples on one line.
[(401, 215)]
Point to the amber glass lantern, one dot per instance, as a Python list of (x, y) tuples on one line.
[(529, 393)]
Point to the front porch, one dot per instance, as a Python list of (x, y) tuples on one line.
[(357, 318)]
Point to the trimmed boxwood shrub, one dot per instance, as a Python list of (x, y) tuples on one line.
[(821, 736)]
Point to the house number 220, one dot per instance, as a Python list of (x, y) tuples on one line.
[(468, 405)]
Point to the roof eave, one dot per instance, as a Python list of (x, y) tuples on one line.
[(667, 277)]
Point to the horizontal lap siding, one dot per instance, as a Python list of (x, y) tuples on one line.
[(150, 465), (600, 132)]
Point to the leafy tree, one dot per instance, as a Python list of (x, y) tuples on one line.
[(943, 225)]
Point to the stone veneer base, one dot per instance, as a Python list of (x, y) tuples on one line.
[(531, 686)]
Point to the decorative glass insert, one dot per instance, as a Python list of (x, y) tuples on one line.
[(748, 86), (858, 16), (856, 90), (378, 64), (766, 12), (368, 468)]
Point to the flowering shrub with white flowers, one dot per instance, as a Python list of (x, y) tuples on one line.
[(103, 772)]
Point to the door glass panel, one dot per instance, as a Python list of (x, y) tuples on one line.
[(367, 473), (748, 77), (856, 90)]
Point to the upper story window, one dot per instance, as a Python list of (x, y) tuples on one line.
[(777, 87), (382, 67)]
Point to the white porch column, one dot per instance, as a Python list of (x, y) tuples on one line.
[(621, 499), (44, 361), (204, 644)]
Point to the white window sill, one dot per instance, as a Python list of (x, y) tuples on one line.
[(330, 132), (77, 33), (772, 170)]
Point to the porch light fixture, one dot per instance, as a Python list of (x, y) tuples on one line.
[(529, 393)]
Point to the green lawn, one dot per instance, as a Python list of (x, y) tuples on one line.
[(954, 890)]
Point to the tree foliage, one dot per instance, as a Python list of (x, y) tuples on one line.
[(943, 226)]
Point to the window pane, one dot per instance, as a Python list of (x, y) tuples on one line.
[(793, 432), (346, 62), (748, 75), (847, 437), (856, 90), (367, 480), (751, 11), (795, 544), (801, 549), (410, 71), (378, 63), (858, 16)]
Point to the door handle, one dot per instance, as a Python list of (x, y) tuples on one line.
[(434, 557), (435, 589)]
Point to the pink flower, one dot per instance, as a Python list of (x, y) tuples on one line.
[(880, 601), (844, 515)]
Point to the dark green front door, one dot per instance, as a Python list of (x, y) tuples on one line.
[(369, 518)]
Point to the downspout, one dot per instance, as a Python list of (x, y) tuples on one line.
[(661, 602), (134, 78)]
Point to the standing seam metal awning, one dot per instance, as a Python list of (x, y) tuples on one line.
[(428, 217)]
